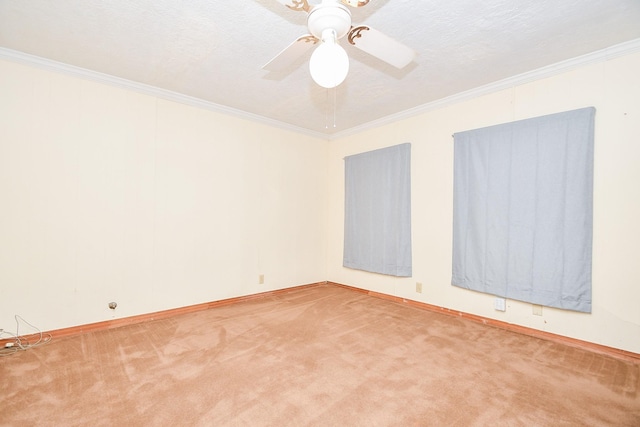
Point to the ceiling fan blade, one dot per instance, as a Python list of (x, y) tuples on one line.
[(381, 46), (355, 3), (290, 53), (299, 5)]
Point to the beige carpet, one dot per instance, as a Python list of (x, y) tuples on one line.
[(319, 356)]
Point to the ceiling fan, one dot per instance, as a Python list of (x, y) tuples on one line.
[(328, 22)]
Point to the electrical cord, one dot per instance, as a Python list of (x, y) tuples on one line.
[(22, 343)]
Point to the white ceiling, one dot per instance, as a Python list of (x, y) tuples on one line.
[(213, 50)]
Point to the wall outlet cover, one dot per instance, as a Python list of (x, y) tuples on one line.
[(500, 304)]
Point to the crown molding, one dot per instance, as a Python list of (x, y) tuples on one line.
[(606, 54), (83, 73), (626, 48)]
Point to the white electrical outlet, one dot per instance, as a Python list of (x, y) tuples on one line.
[(500, 304), (261, 279), (419, 287), (537, 310)]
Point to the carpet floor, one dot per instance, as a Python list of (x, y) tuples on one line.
[(316, 356)]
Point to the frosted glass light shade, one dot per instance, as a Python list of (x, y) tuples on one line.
[(329, 64)]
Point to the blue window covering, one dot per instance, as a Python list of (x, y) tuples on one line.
[(523, 210), (377, 226)]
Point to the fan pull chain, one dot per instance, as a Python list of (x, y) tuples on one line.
[(328, 107), (335, 91), (326, 111)]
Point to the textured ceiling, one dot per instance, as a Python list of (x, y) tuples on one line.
[(213, 50)]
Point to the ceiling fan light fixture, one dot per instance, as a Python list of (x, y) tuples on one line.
[(329, 14), (329, 63)]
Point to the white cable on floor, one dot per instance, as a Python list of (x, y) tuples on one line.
[(21, 342)]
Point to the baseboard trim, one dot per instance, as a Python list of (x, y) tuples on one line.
[(116, 323), (585, 345), (124, 321)]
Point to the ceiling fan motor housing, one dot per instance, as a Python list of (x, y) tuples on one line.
[(329, 15)]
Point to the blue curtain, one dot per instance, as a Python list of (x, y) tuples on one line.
[(377, 226), (523, 210)]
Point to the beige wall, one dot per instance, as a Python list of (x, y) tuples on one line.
[(614, 89), (111, 195)]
